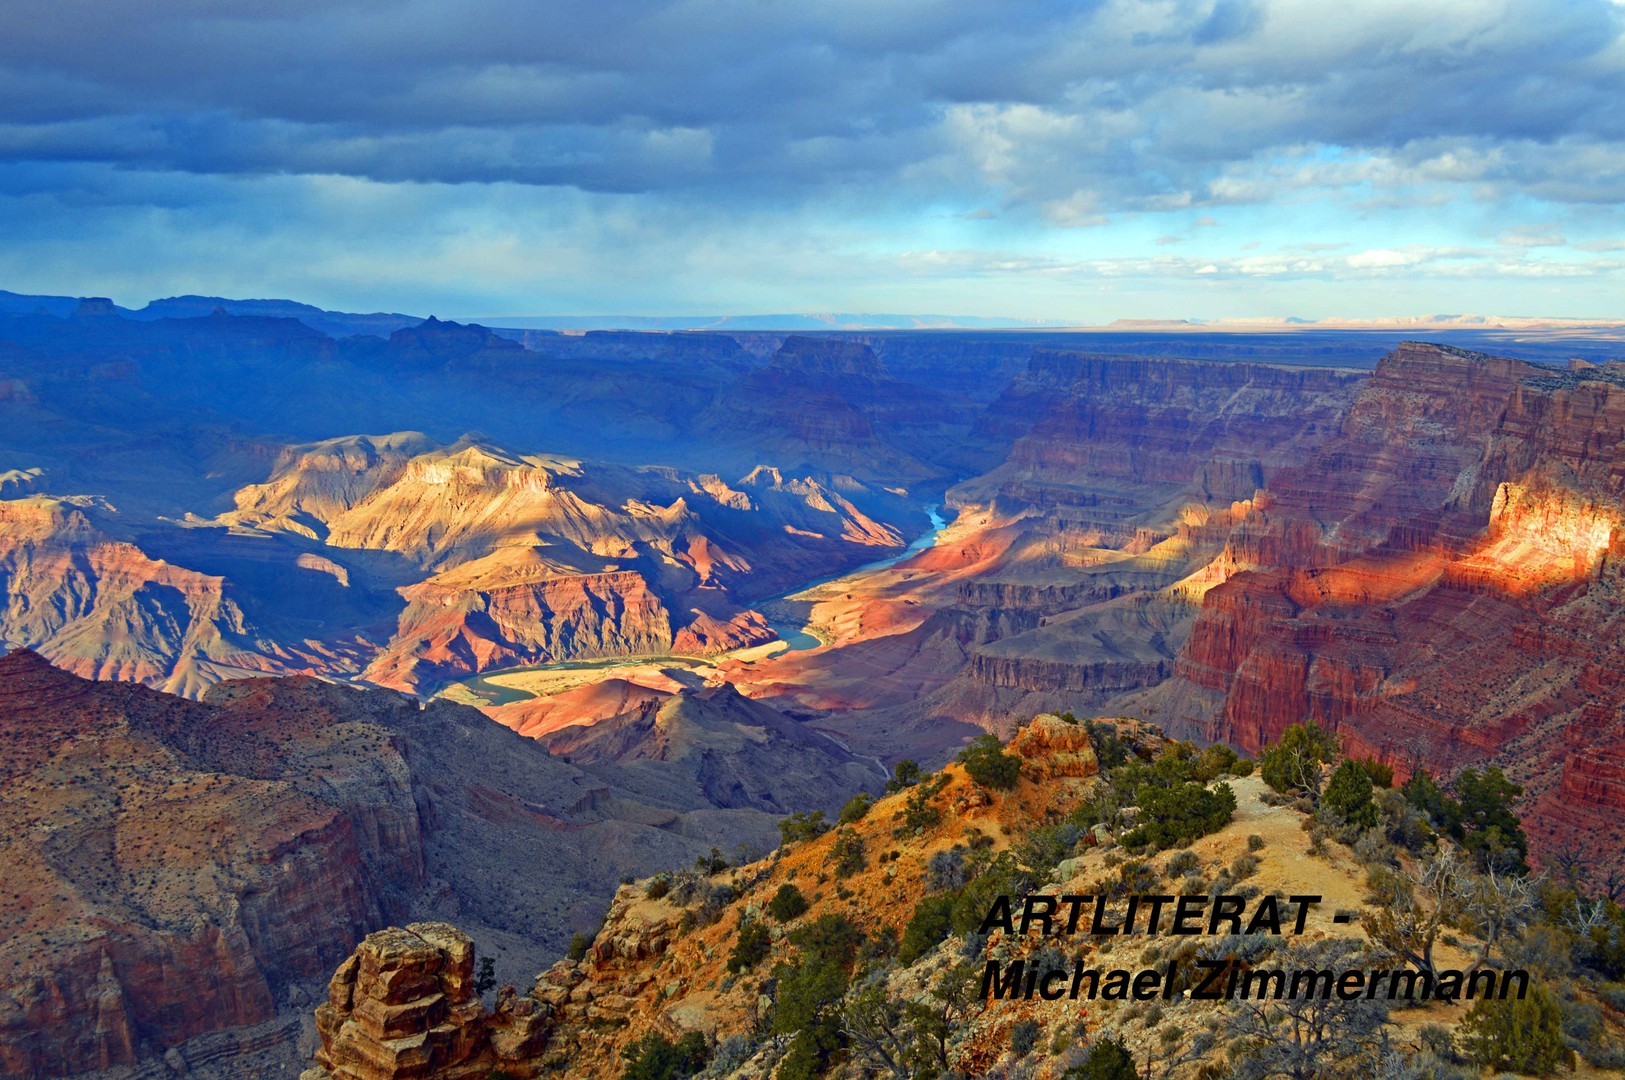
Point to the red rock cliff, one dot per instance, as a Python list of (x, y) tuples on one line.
[(1437, 582)]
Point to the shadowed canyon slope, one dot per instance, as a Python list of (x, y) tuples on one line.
[(179, 868)]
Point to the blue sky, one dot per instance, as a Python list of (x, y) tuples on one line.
[(1079, 161)]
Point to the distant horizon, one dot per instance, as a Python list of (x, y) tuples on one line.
[(833, 322)]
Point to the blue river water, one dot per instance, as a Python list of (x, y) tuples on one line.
[(794, 636)]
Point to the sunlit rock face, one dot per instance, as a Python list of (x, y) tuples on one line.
[(407, 563), (1126, 476), (1438, 583), (99, 605)]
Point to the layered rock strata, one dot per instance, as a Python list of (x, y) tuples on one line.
[(1439, 583), (404, 1006)]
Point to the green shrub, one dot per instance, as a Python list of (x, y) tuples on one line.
[(1349, 796), (1294, 762), (750, 947), (787, 903), (832, 936), (856, 807), (930, 923), (579, 944), (904, 774), (1179, 814), (1108, 1059), (802, 826), (654, 1057), (1381, 775), (1518, 1036), (1023, 1037), (1182, 863), (658, 886), (809, 994), (1214, 761), (995, 876), (987, 763), (847, 853), (1489, 828), (1110, 750), (918, 814)]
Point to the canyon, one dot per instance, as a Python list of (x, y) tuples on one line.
[(180, 870), (260, 566)]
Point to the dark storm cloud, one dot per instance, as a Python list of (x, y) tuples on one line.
[(1081, 108)]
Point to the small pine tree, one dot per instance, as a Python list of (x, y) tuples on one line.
[(1519, 1036), (713, 863), (1349, 795), (654, 1057), (847, 852), (905, 773), (930, 923), (787, 903), (750, 948), (855, 808), (1108, 1059), (987, 763), (486, 979), (802, 826), (1295, 761)]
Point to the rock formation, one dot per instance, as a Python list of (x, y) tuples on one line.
[(403, 1005), (178, 868)]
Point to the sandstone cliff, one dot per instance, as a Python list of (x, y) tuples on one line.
[(180, 868), (1437, 582)]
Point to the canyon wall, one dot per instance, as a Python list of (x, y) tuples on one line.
[(183, 870), (1439, 583)]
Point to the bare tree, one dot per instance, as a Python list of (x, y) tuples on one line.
[(1422, 901), (1496, 903), (1311, 1037), (935, 1020), (877, 1029)]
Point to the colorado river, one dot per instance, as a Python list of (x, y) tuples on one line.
[(796, 637), (792, 632)]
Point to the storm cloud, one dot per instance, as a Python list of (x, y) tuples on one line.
[(918, 130)]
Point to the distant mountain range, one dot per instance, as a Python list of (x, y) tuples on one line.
[(382, 324), (814, 321)]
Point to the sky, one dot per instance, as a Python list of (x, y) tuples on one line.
[(1080, 161)]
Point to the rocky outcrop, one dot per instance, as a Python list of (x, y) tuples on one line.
[(659, 962), (404, 1006)]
